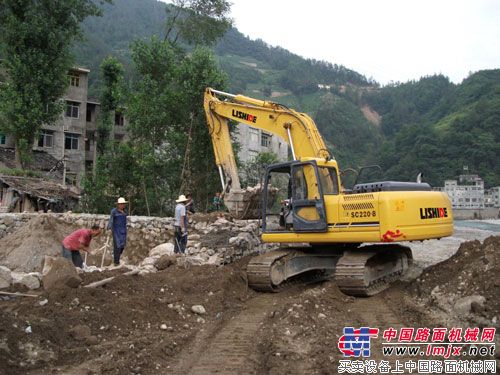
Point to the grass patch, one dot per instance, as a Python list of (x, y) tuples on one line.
[(19, 172)]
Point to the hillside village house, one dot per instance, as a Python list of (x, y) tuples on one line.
[(253, 141), (71, 140)]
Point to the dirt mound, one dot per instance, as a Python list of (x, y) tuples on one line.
[(471, 273), (133, 324), (24, 249)]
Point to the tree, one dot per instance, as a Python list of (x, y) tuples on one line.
[(112, 78), (167, 129), (35, 41), (98, 195), (198, 71), (155, 112), (197, 21), (253, 171)]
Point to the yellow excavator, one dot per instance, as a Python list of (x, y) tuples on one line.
[(325, 230)]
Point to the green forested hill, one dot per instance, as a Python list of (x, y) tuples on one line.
[(253, 68), (431, 125), (437, 127)]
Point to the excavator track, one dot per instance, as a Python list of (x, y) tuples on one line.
[(259, 271), (270, 272), (361, 272), (369, 270)]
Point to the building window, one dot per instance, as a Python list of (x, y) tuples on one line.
[(74, 80), (119, 119), (2, 139), (46, 139), (71, 141), (72, 109), (265, 140), (89, 114)]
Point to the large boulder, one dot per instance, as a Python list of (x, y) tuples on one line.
[(162, 249), (5, 277), (149, 261), (59, 272), (30, 281)]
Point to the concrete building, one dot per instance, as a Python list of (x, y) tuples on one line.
[(492, 197), (254, 141), (467, 192), (72, 139)]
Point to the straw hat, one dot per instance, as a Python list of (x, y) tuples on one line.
[(121, 200), (182, 198)]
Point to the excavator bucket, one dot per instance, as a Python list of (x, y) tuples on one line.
[(245, 204)]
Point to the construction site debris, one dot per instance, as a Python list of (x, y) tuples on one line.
[(33, 194), (147, 321), (27, 238), (59, 272), (29, 280), (464, 287), (24, 249), (82, 333), (124, 317), (162, 249)]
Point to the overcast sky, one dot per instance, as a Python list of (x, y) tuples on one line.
[(389, 40)]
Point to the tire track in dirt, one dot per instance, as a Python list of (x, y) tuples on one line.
[(230, 349)]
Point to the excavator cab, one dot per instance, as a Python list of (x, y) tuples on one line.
[(293, 197)]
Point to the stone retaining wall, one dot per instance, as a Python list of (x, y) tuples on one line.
[(208, 236)]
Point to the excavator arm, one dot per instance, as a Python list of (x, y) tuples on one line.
[(297, 129)]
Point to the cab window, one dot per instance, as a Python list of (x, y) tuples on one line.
[(329, 181)]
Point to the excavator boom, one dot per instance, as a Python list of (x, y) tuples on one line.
[(297, 129)]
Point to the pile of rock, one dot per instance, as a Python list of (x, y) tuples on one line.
[(233, 240), (30, 280), (159, 258), (212, 240), (465, 286)]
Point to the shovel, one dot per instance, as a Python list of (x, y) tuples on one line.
[(105, 247)]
